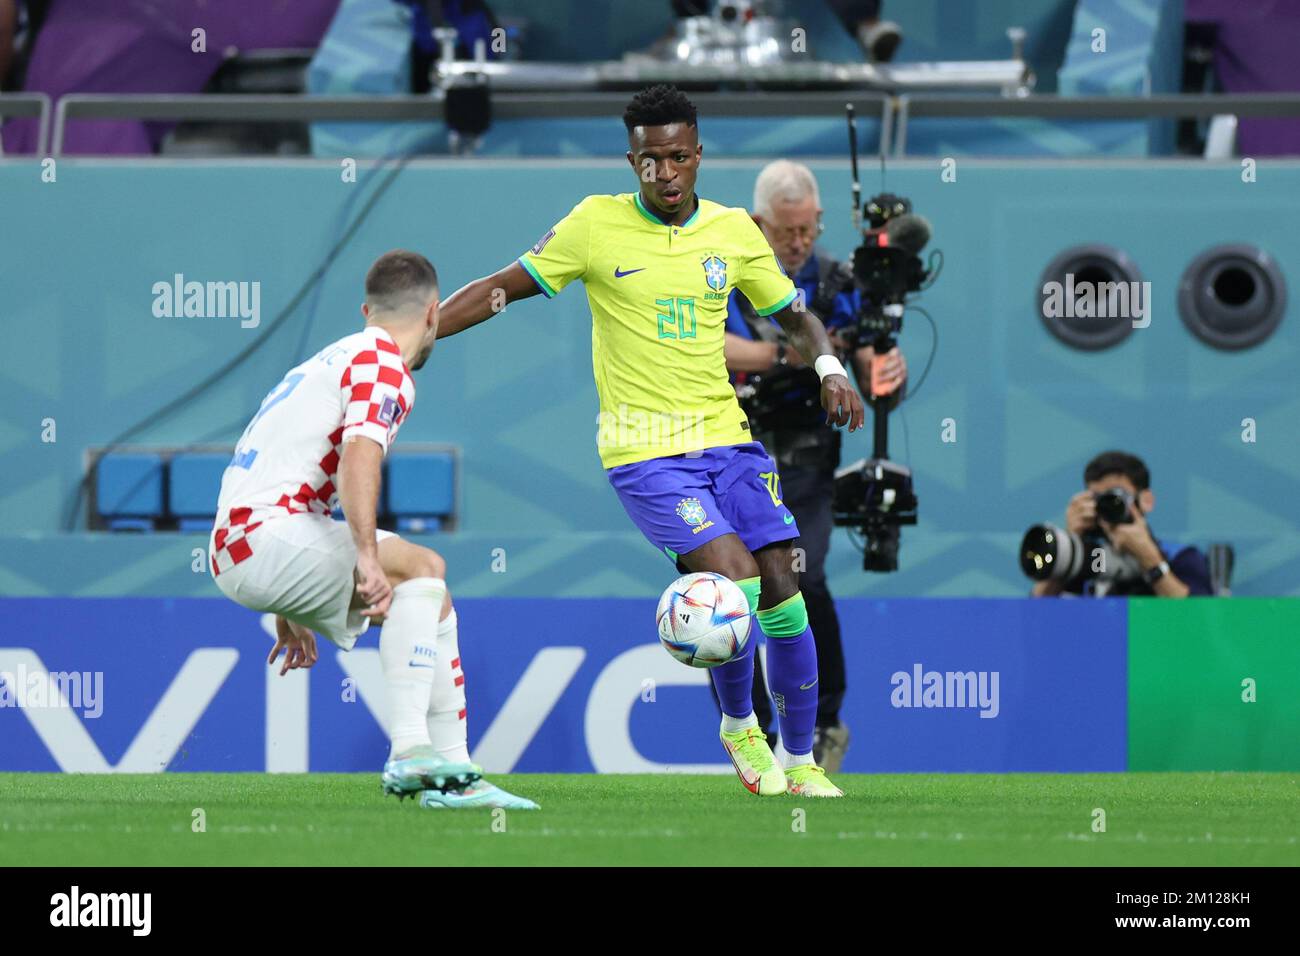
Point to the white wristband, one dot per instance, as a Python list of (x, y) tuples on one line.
[(828, 365)]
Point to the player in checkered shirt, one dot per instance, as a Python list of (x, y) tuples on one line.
[(317, 443)]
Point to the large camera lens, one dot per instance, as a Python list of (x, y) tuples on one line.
[(1048, 553)]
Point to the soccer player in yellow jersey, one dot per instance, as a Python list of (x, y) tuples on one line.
[(658, 265)]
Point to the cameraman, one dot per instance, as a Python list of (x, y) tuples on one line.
[(792, 425), (1168, 569)]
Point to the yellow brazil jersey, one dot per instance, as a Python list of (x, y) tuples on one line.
[(658, 298)]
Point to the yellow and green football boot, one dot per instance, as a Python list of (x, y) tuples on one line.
[(754, 763), (809, 780)]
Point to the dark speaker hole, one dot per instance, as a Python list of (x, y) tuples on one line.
[(1234, 286), (1091, 275)]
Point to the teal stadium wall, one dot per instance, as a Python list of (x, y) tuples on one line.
[(78, 259)]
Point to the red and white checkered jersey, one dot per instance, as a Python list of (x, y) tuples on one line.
[(287, 459)]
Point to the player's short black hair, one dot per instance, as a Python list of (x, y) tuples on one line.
[(398, 277), (659, 105), (1118, 463)]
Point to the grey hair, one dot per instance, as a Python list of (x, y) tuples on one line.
[(784, 181)]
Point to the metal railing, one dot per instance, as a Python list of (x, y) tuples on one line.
[(272, 109), (1090, 108), (892, 111), (29, 104), (633, 73)]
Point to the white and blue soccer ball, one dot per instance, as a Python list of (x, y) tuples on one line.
[(703, 619)]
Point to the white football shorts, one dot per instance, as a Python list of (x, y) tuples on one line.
[(301, 568)]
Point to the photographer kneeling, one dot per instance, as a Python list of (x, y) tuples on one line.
[(1107, 547), (780, 395)]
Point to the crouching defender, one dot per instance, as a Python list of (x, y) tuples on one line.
[(658, 265), (317, 442)]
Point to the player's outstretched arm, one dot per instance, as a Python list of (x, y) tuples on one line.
[(808, 337), (747, 355), (484, 298), (359, 477)]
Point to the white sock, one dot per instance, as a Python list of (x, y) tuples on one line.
[(798, 760), (408, 653), (732, 724), (448, 729)]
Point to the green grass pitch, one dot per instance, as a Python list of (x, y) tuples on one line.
[(1152, 819)]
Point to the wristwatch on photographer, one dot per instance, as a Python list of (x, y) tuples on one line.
[(780, 353), (1156, 573)]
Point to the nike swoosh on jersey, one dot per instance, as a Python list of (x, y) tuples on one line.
[(788, 519), (808, 686), (619, 275)]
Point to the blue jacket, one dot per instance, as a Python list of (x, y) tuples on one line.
[(1187, 563), (843, 313)]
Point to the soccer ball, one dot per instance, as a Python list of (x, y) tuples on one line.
[(703, 619)]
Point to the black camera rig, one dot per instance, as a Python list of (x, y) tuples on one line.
[(875, 495)]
